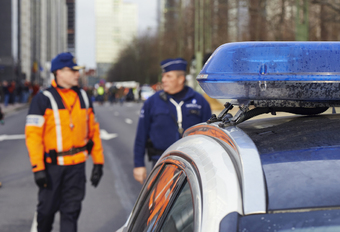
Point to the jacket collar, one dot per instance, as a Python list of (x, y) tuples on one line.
[(190, 93), (55, 85)]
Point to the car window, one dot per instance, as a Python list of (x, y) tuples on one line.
[(181, 215), (157, 198)]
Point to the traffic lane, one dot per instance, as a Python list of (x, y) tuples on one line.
[(121, 147), (14, 122), (129, 112), (130, 115), (18, 194), (125, 120), (117, 191)]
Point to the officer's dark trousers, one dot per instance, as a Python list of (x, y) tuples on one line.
[(65, 192)]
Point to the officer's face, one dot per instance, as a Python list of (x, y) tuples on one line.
[(173, 82), (67, 77)]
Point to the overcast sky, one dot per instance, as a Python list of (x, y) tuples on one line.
[(85, 27)]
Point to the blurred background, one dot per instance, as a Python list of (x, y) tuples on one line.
[(121, 44), (121, 41)]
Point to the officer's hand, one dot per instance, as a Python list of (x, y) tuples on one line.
[(40, 178), (139, 174), (97, 173)]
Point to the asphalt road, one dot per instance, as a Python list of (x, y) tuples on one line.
[(106, 207)]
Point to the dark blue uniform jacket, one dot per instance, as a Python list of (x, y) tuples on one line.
[(158, 121)]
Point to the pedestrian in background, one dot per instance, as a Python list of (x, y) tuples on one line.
[(26, 92), (112, 94), (1, 119), (18, 93), (35, 89), (101, 92), (6, 93), (2, 96), (12, 92), (120, 95), (166, 114), (61, 131)]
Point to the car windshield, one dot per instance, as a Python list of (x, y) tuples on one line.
[(323, 221)]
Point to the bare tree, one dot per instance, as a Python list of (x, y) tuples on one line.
[(329, 18), (138, 61), (215, 22), (257, 19)]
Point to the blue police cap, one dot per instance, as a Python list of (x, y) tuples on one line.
[(63, 60), (177, 64)]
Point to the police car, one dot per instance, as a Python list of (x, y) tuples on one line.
[(235, 173)]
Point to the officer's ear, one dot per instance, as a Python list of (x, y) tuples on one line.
[(55, 75), (181, 76)]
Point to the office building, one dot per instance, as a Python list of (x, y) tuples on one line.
[(43, 34), (71, 25), (7, 63), (116, 26), (32, 33)]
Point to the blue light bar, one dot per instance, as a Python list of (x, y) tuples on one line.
[(273, 71)]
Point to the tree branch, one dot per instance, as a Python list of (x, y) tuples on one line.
[(326, 3)]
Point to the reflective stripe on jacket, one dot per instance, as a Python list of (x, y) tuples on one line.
[(61, 119)]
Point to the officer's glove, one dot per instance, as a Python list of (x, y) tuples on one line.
[(97, 173), (40, 178)]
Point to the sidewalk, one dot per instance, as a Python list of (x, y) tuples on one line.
[(12, 107)]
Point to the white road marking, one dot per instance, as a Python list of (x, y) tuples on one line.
[(34, 223), (11, 137), (106, 136), (121, 183), (128, 121)]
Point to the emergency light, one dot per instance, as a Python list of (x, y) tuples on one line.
[(273, 71)]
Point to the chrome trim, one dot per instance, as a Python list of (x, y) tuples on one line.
[(250, 167), (220, 192), (253, 183), (303, 210)]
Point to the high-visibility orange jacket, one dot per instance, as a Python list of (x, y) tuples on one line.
[(60, 119)]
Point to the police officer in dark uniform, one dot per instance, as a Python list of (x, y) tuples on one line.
[(166, 114)]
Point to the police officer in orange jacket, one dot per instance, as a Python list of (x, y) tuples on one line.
[(61, 132)]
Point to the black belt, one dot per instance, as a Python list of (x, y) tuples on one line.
[(152, 152), (53, 154), (72, 151)]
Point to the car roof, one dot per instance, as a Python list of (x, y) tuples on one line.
[(300, 157), (293, 133)]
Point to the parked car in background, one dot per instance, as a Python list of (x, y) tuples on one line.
[(146, 92), (240, 173)]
